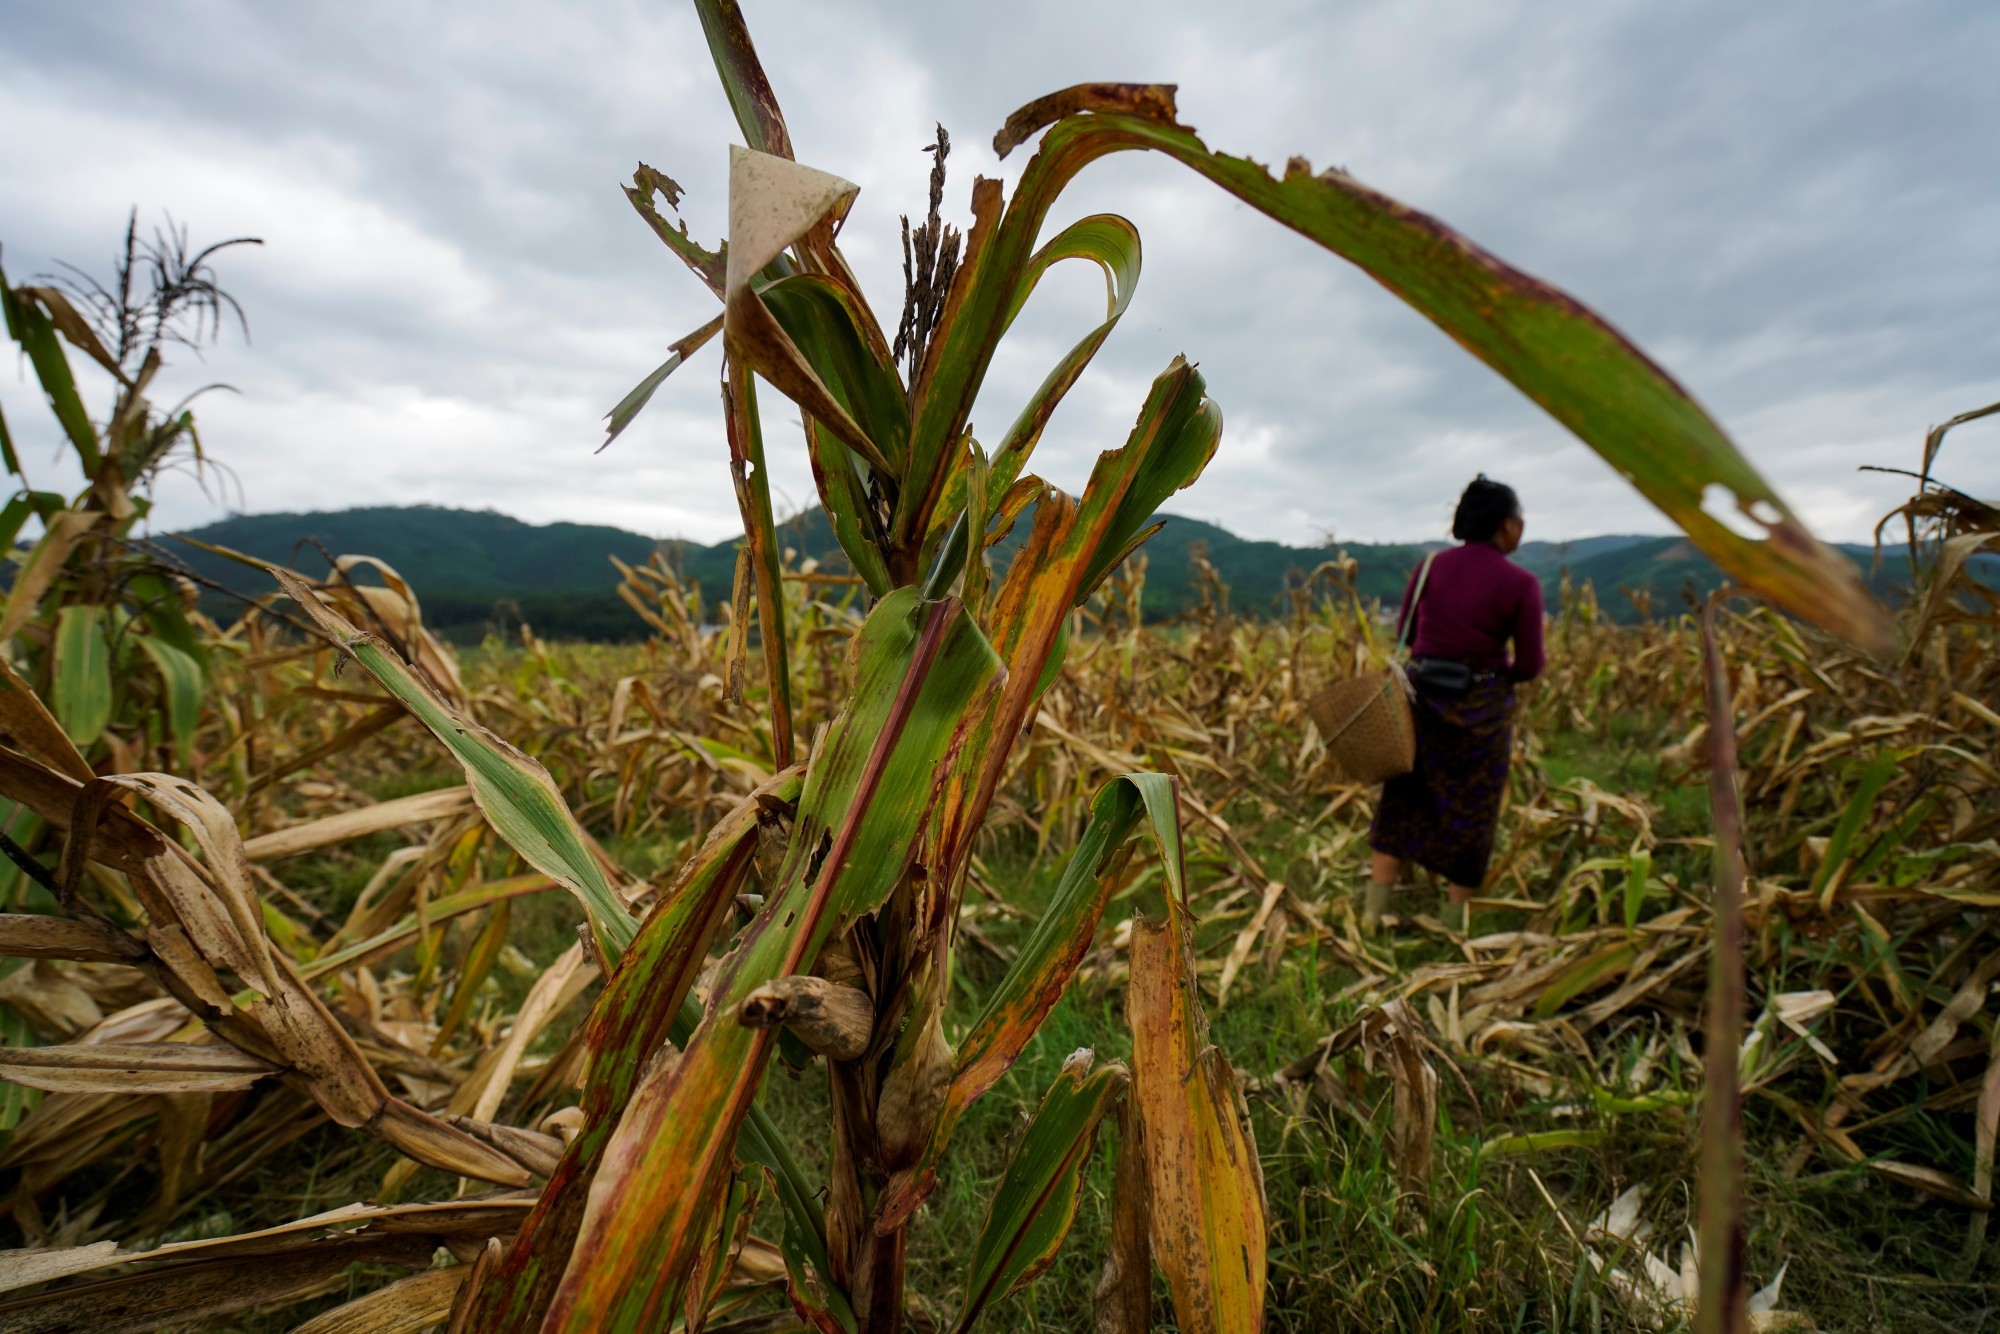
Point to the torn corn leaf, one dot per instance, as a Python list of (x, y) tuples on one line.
[(1554, 349)]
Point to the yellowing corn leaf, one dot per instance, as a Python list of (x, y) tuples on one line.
[(1206, 1187), (1175, 436)]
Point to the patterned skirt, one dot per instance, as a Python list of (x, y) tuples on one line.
[(1442, 813)]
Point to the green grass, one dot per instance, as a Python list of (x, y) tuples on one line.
[(1349, 1248)]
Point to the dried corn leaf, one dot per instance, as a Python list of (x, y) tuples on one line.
[(144, 1067), (27, 724), (404, 1307), (419, 808)]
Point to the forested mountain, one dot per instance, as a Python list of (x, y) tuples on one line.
[(476, 568)]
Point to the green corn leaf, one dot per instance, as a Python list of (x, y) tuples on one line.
[(1053, 667), (516, 794), (833, 334), (1540, 1141), (1048, 959), (181, 679), (633, 403), (1551, 347), (1112, 243), (16, 1100), (865, 802), (1581, 976), (7, 454), (1896, 838), (1178, 429), (1860, 804), (843, 495), (818, 1300), (31, 328), (1105, 239), (160, 599), (82, 685), (1032, 1209), (1638, 874), (16, 513)]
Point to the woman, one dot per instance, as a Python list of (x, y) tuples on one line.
[(1473, 605)]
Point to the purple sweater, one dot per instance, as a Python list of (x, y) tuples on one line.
[(1475, 601)]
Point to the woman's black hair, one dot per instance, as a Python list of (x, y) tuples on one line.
[(1485, 505)]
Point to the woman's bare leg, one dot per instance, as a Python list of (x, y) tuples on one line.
[(1460, 915), (1384, 872)]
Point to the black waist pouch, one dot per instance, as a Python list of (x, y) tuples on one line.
[(1441, 677)]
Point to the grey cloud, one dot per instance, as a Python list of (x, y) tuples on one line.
[(1791, 205)]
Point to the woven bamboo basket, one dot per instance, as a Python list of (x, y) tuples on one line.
[(1366, 724)]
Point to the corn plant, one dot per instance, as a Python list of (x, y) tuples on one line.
[(108, 638), (850, 955)]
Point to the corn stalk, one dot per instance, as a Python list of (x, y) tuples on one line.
[(859, 921)]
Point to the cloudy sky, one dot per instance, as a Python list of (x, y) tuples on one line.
[(1794, 206)]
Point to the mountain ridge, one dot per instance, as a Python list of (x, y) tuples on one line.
[(473, 567)]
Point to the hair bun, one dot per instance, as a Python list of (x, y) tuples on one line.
[(1483, 507)]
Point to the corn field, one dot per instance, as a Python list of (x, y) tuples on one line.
[(934, 942)]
